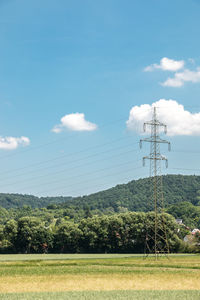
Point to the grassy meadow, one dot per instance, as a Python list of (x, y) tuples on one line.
[(104, 276)]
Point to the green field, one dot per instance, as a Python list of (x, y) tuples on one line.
[(105, 276), (109, 295)]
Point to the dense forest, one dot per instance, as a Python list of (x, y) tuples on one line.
[(40, 221), (133, 196), (18, 200), (125, 233), (136, 195)]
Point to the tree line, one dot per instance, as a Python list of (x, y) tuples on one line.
[(119, 233)]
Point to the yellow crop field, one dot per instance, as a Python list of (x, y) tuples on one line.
[(90, 273)]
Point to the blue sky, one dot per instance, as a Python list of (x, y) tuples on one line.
[(61, 58)]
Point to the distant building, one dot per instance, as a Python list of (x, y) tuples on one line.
[(179, 221), (194, 231)]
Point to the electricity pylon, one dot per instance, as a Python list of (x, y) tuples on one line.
[(156, 236)]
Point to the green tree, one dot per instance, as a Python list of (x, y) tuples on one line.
[(67, 238), (27, 230)]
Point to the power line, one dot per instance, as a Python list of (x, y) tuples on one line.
[(70, 162), (66, 155), (68, 169), (103, 184), (82, 175), (186, 151), (63, 156), (185, 169), (74, 135), (54, 141), (87, 181)]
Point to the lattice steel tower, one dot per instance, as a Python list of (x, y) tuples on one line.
[(156, 234)]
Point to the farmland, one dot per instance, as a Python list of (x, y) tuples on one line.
[(89, 276)]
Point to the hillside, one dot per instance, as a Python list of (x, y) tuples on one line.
[(136, 195), (18, 200), (133, 196)]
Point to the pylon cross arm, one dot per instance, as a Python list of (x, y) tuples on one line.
[(155, 140)]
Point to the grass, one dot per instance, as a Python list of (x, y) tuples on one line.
[(24, 257), (105, 276), (116, 295)]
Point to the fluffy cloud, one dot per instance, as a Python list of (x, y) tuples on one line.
[(178, 120), (75, 122), (181, 77), (166, 64), (11, 143)]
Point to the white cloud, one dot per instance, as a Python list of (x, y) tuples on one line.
[(166, 64), (181, 77), (178, 120), (11, 143), (75, 122)]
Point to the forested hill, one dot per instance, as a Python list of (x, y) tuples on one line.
[(135, 195), (17, 200)]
